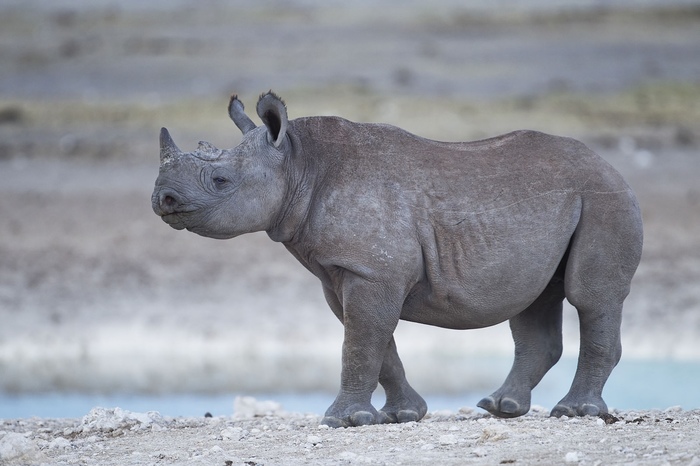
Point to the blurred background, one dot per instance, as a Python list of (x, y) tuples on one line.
[(102, 303)]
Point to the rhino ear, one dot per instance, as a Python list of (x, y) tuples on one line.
[(235, 111), (273, 112)]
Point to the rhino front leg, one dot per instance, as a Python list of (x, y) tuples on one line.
[(403, 403), (538, 346), (370, 317)]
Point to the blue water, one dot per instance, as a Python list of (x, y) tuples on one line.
[(634, 385)]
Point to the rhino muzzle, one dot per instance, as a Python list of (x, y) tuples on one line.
[(165, 201)]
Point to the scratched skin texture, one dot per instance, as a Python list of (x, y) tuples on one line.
[(457, 235)]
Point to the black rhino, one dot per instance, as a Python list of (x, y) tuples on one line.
[(457, 235)]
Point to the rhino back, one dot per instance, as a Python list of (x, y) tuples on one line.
[(345, 153)]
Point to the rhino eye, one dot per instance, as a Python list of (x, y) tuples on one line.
[(220, 181)]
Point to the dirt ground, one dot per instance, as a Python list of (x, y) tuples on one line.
[(98, 295), (117, 437)]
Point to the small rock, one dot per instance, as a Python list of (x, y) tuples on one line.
[(113, 419), (59, 443), (313, 439), (158, 428), (233, 433), (427, 446), (14, 446), (607, 419), (539, 409), (494, 434), (216, 449), (449, 439), (572, 457), (465, 410), (247, 406)]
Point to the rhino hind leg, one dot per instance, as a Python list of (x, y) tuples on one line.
[(538, 346), (597, 281), (599, 354)]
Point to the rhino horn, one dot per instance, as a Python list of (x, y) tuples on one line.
[(205, 146), (168, 149), (237, 114), (206, 151)]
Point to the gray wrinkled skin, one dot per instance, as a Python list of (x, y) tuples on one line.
[(457, 235)]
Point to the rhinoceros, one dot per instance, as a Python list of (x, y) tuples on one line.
[(458, 235)]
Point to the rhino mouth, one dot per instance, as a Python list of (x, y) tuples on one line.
[(183, 221), (176, 220)]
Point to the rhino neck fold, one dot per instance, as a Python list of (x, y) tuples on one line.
[(295, 205)]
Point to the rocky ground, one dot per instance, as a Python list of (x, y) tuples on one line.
[(256, 437)]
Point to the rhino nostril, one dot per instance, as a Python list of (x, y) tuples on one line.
[(168, 202)]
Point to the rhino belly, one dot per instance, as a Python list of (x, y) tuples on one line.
[(477, 277), (461, 306)]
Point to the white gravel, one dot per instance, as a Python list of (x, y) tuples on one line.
[(259, 437)]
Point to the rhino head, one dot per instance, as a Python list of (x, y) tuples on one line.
[(225, 193)]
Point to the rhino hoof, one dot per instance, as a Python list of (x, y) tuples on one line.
[(488, 404), (408, 415), (586, 409), (507, 407), (333, 422), (591, 410), (403, 415), (562, 410), (358, 418), (362, 418)]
